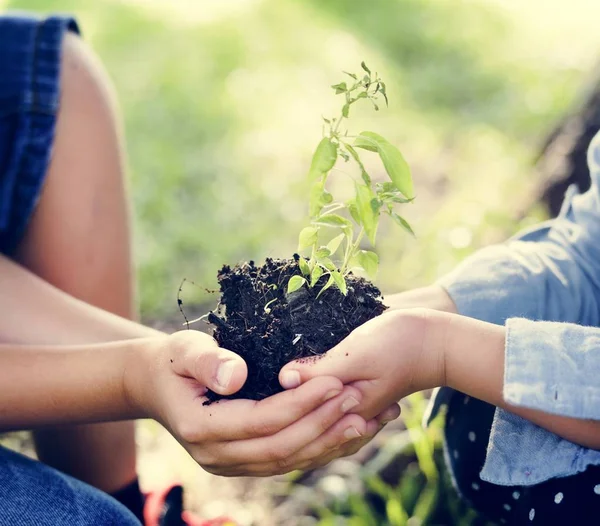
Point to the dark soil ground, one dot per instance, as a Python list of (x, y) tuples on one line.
[(258, 320)]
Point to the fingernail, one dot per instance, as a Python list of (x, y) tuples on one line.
[(351, 433), (290, 379), (225, 372), (349, 403), (331, 394)]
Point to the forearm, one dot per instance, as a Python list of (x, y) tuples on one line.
[(55, 385), (474, 356), (34, 312)]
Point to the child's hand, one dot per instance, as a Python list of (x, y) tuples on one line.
[(386, 359), (298, 429)]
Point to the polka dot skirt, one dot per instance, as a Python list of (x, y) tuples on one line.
[(561, 501)]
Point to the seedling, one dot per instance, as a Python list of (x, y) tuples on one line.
[(262, 316), (332, 262)]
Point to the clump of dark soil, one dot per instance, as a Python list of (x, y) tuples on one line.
[(258, 320)]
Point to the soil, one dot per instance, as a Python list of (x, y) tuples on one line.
[(258, 320)]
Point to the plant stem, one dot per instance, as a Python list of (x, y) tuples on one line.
[(351, 250), (334, 132), (336, 207)]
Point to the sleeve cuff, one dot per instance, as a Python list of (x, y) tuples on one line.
[(553, 367)]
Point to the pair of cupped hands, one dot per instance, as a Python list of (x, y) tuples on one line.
[(330, 408)]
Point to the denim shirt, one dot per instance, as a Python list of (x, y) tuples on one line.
[(544, 285)]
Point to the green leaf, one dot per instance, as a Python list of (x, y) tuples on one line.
[(329, 283), (397, 198), (383, 92), (295, 283), (352, 208), (322, 252), (390, 194), (364, 66), (351, 75), (366, 143), (327, 263), (316, 274), (368, 218), (393, 161), (335, 243), (307, 237), (346, 110), (386, 186), (318, 198), (369, 261), (340, 88), (403, 223), (332, 220), (304, 268), (323, 159), (340, 282), (376, 204), (363, 171)]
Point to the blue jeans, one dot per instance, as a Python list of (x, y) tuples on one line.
[(32, 494)]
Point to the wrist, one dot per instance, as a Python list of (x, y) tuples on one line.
[(434, 349), (141, 364), (473, 354), (417, 337)]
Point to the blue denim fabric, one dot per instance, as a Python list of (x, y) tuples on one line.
[(549, 273), (29, 98), (32, 494)]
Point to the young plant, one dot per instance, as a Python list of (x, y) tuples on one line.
[(369, 201)]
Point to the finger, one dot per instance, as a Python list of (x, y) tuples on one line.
[(280, 447), (328, 445), (230, 420), (335, 445), (310, 459), (373, 429), (389, 414), (197, 356), (349, 360)]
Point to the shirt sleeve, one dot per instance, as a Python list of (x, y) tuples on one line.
[(544, 284), (550, 273), (553, 367)]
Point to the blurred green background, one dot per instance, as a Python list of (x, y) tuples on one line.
[(222, 102)]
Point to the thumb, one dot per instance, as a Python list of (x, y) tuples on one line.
[(199, 357), (342, 362)]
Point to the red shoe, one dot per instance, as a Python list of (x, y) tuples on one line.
[(165, 508)]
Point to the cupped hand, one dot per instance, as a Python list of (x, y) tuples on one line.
[(296, 429), (385, 359)]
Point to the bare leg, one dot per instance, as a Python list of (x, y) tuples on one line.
[(78, 240)]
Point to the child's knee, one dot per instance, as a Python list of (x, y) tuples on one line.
[(84, 83)]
